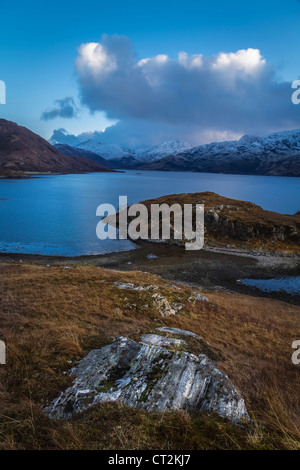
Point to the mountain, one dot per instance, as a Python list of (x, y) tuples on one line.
[(78, 152), (157, 152), (122, 158), (287, 167), (23, 150), (115, 155), (107, 151), (276, 154), (123, 163), (93, 142)]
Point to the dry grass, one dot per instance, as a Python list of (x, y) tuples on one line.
[(51, 317)]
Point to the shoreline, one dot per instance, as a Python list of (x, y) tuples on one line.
[(211, 268)]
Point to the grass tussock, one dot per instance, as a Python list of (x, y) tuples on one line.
[(51, 317)]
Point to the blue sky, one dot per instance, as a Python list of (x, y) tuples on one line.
[(39, 43)]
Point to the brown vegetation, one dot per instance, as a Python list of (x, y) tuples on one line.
[(12, 174), (239, 224), (50, 317)]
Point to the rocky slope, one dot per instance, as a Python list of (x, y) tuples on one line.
[(22, 150)]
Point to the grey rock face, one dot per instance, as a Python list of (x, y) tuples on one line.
[(217, 223), (196, 296), (130, 286), (157, 340), (164, 307), (178, 331), (151, 378)]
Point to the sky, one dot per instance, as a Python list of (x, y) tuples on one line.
[(199, 71)]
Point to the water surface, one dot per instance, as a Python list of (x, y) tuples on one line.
[(287, 284), (56, 215)]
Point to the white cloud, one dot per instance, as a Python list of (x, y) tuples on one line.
[(189, 62), (226, 94), (94, 58), (246, 61)]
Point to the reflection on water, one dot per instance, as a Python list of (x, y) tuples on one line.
[(57, 214), (288, 284)]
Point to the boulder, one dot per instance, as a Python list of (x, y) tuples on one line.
[(149, 377)]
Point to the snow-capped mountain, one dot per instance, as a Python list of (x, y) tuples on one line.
[(107, 151), (150, 154), (249, 155), (275, 154), (274, 146), (95, 142)]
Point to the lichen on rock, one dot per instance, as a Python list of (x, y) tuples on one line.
[(164, 307), (150, 377)]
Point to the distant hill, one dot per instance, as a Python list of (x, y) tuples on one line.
[(23, 150), (80, 152)]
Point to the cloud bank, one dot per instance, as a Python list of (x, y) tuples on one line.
[(64, 108), (193, 97)]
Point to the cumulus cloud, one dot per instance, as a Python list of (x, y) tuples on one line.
[(64, 108), (190, 96)]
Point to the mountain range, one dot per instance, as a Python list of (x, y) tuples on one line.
[(278, 154)]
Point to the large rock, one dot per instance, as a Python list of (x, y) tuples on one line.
[(149, 377)]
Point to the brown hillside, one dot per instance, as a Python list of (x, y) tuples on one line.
[(23, 150)]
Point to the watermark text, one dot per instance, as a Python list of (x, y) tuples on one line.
[(2, 352), (2, 92), (296, 94), (152, 222)]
